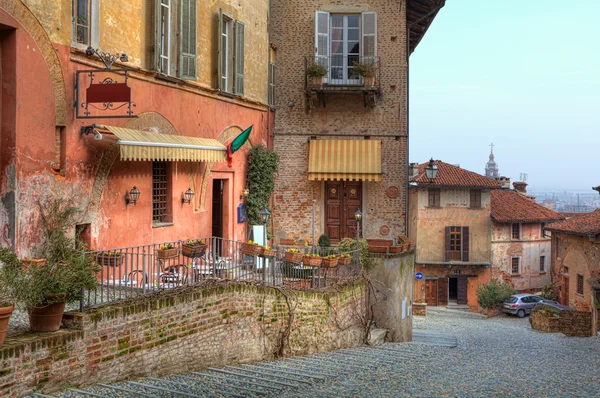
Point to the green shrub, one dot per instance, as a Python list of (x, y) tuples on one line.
[(316, 70), (262, 166), (349, 245), (324, 241), (549, 292), (493, 294)]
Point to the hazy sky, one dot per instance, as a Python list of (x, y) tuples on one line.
[(523, 74)]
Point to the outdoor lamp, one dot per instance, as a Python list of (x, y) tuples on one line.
[(244, 193), (265, 214), (134, 195), (358, 215), (187, 196), (124, 58), (431, 170)]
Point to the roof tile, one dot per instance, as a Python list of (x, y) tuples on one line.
[(511, 206), (453, 176), (584, 224)]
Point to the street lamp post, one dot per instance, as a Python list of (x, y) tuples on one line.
[(431, 169), (358, 218)]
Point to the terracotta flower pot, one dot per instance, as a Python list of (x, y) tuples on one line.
[(5, 313), (47, 318)]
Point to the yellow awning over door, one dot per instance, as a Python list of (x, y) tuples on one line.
[(344, 160), (146, 145)]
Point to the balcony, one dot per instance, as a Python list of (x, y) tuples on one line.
[(343, 75), (438, 256)]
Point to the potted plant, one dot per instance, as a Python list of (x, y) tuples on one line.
[(330, 260), (109, 258), (44, 290), (316, 71), (344, 259), (366, 69), (167, 251), (268, 252), (293, 256), (312, 260), (6, 303), (251, 248), (193, 248)]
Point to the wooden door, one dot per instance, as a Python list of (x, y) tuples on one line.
[(342, 199), (431, 292), (442, 291), (461, 296), (217, 213)]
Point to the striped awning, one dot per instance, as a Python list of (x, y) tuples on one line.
[(147, 145), (348, 160)]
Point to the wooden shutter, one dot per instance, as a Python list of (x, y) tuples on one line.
[(272, 84), (443, 290), (465, 243), (187, 39), (447, 245), (157, 34), (238, 61), (221, 49), (322, 39), (369, 34), (461, 291)]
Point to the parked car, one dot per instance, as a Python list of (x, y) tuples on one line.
[(521, 304)]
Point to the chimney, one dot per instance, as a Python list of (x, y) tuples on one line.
[(520, 186), (504, 182), (413, 169)]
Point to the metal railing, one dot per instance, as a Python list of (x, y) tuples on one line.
[(343, 71), (439, 256), (136, 270)]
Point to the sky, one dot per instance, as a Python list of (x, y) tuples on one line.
[(523, 74)]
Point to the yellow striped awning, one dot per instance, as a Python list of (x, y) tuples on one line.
[(349, 160), (147, 145)]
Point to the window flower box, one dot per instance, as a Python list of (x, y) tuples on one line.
[(344, 260), (193, 248), (313, 261), (330, 261), (294, 257), (109, 259), (167, 251), (251, 249)]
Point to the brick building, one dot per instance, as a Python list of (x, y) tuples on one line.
[(520, 246), (576, 259), (202, 75), (343, 140), (450, 224)]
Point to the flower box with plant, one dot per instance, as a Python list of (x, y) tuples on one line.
[(112, 258), (268, 252), (316, 71), (193, 248), (293, 256), (44, 290), (312, 260), (330, 260), (167, 251), (6, 310), (344, 259), (251, 248), (367, 70)]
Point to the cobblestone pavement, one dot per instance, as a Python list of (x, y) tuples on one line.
[(455, 354)]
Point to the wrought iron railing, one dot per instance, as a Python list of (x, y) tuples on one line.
[(439, 255), (132, 271), (343, 71)]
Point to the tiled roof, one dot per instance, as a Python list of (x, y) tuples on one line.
[(453, 176), (511, 206), (584, 224)]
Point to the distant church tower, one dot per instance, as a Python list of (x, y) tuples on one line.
[(491, 168)]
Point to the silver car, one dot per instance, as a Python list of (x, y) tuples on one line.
[(521, 304)]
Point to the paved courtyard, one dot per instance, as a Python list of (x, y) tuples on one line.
[(455, 354)]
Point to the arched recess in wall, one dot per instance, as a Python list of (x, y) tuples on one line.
[(144, 121), (226, 135), (574, 258), (20, 12)]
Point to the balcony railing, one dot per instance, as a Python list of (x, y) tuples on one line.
[(438, 256), (133, 271), (342, 72)]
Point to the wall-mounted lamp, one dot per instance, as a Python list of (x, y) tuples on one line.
[(107, 58), (133, 197), (187, 196), (244, 193), (431, 170)]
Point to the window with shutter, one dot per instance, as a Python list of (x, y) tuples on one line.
[(85, 23), (163, 36), (225, 56), (369, 35), (465, 243), (187, 40), (475, 199), (434, 197), (322, 39), (238, 85), (272, 84)]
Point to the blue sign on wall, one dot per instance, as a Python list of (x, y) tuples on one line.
[(419, 276)]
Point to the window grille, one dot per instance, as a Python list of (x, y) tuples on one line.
[(159, 192)]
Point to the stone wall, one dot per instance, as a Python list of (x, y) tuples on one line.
[(570, 323), (182, 331)]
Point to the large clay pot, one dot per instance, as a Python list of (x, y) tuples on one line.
[(5, 313), (47, 318)]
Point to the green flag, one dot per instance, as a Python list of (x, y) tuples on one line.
[(237, 144)]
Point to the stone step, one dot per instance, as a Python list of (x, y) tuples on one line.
[(459, 307)]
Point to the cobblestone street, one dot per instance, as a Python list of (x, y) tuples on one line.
[(455, 354)]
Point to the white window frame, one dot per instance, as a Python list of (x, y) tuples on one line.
[(346, 76), (94, 25), (511, 266), (165, 32), (226, 31)]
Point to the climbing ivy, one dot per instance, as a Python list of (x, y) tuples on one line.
[(262, 166)]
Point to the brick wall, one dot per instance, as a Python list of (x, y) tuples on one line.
[(570, 323), (344, 117), (178, 332)]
